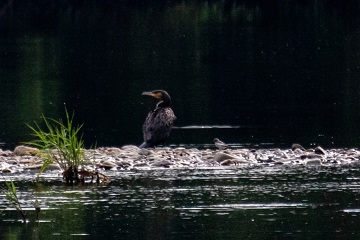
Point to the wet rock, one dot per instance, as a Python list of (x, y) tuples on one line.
[(130, 148), (124, 164), (313, 162), (12, 162), (144, 151), (25, 150), (140, 165), (162, 163), (5, 153), (220, 156), (298, 151), (53, 167), (297, 146), (113, 151), (27, 160), (228, 162), (310, 156), (128, 157), (278, 163), (6, 170), (107, 164), (33, 167), (320, 150)]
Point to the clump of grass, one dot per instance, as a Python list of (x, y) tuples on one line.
[(60, 143), (13, 199)]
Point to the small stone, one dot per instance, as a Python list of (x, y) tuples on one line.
[(123, 163), (320, 150), (107, 164), (297, 146), (229, 162), (27, 160), (313, 162), (279, 163), (12, 162), (6, 170), (310, 156), (141, 165), (6, 153), (220, 157), (53, 167), (25, 150), (33, 167), (144, 151), (113, 151), (162, 163)]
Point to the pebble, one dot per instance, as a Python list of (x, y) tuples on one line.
[(162, 163), (53, 167), (25, 150), (144, 152), (220, 157), (131, 157), (320, 150), (313, 162)]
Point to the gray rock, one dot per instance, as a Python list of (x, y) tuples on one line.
[(297, 146), (235, 161), (313, 162), (53, 167), (310, 156), (5, 153), (140, 165), (33, 167), (220, 156), (107, 164), (25, 150), (161, 163), (6, 170), (113, 151), (144, 151), (320, 150)]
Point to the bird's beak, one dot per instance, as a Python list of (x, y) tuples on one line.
[(151, 94)]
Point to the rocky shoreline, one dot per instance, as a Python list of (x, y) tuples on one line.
[(131, 157)]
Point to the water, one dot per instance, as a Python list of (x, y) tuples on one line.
[(252, 72), (285, 71), (225, 203)]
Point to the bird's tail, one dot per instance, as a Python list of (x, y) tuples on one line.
[(144, 145)]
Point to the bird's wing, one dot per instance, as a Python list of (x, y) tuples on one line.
[(158, 125)]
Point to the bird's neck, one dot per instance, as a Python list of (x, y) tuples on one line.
[(162, 104)]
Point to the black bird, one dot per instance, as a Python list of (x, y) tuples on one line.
[(158, 123)]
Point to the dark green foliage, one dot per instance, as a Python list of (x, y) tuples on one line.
[(60, 143)]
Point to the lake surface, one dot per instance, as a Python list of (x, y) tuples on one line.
[(255, 73), (279, 72), (261, 202)]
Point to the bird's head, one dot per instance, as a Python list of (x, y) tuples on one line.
[(162, 95)]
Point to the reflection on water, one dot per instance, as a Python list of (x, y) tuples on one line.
[(248, 72), (290, 70), (207, 126), (226, 203)]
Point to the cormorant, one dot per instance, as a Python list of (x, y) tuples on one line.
[(158, 123)]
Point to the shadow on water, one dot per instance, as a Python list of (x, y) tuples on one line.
[(214, 203)]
